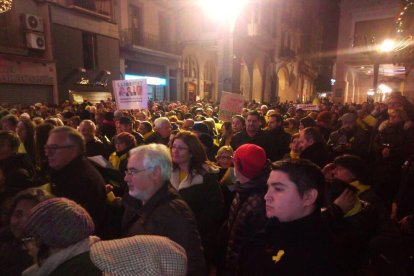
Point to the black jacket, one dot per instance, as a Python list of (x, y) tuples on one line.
[(318, 154), (279, 142), (82, 183), (242, 138), (166, 214), (300, 247)]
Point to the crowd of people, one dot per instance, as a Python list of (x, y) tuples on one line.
[(87, 189)]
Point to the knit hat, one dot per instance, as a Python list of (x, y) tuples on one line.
[(250, 160), (140, 255), (59, 222), (352, 163)]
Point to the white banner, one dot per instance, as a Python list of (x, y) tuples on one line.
[(230, 104), (131, 94)]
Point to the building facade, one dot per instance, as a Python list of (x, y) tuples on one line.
[(365, 70)]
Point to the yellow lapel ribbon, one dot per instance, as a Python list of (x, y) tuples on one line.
[(278, 256)]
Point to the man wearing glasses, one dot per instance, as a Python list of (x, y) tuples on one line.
[(153, 206), (73, 176)]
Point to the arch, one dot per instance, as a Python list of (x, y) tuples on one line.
[(209, 79), (257, 83), (191, 77), (283, 85), (245, 80)]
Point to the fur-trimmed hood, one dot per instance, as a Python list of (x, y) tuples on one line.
[(192, 179)]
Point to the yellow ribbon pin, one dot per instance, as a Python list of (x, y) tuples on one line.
[(278, 256)]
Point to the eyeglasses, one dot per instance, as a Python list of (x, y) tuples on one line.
[(54, 148), (179, 148), (25, 241), (225, 157), (132, 172)]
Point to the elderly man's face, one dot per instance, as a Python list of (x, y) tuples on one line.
[(165, 130), (60, 151), (87, 131)]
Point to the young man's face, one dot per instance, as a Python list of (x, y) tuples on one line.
[(283, 200)]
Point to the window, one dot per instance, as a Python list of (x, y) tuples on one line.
[(89, 51)]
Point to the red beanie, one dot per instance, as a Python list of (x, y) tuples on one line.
[(250, 160)]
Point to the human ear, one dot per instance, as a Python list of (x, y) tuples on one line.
[(309, 197)]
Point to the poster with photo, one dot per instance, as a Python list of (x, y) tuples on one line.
[(131, 94), (230, 104)]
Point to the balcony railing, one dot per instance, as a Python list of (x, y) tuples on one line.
[(102, 9), (131, 37)]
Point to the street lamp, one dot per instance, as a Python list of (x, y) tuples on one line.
[(223, 11)]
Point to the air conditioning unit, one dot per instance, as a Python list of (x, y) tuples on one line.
[(32, 22), (35, 41)]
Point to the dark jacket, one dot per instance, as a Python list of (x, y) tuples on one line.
[(155, 137), (247, 217), (13, 258), (166, 214), (203, 194), (279, 142), (241, 138), (300, 247), (354, 142), (318, 154), (81, 182), (80, 265), (96, 147)]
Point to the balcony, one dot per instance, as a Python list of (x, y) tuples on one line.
[(102, 9), (133, 37)]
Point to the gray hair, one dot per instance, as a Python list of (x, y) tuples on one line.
[(159, 122), (89, 123), (72, 135), (155, 155)]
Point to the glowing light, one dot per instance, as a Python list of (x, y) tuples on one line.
[(385, 89), (150, 80), (387, 45), (222, 11), (370, 92), (5, 5)]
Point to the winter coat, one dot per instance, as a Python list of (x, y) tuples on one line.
[(13, 258), (247, 217), (81, 182), (354, 142), (318, 154), (166, 214), (279, 142), (241, 138), (96, 147), (300, 247), (72, 260), (203, 194)]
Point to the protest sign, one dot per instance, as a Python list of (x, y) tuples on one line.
[(131, 94), (230, 104)]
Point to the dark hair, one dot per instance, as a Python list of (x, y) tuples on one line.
[(305, 174), (254, 113), (42, 134), (240, 118), (127, 138), (147, 125), (195, 147), (12, 119), (294, 136), (307, 122), (278, 117), (73, 136), (314, 134), (11, 138), (36, 195), (29, 142)]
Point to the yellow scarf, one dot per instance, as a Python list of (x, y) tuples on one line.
[(359, 186), (355, 210), (294, 155)]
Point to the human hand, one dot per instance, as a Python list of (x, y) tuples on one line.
[(346, 200)]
